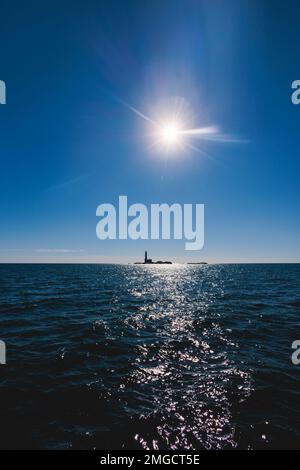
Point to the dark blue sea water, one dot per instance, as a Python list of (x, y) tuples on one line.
[(149, 357)]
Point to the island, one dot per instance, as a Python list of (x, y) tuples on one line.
[(149, 261), (200, 262)]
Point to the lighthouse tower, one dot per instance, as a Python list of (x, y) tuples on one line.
[(147, 260)]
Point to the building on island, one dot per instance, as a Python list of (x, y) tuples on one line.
[(149, 261)]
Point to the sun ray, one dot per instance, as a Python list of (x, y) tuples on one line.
[(171, 133)]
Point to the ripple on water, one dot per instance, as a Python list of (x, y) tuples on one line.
[(159, 357)]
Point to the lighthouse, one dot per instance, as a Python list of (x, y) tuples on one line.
[(147, 260)]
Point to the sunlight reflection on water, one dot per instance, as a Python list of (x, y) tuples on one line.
[(153, 357)]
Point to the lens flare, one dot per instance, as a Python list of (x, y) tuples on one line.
[(170, 134)]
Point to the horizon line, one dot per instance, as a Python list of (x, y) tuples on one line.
[(190, 263)]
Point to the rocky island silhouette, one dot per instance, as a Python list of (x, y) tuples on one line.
[(149, 261)]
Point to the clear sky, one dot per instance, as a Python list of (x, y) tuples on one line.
[(68, 143)]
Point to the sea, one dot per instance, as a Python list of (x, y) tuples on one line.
[(149, 357)]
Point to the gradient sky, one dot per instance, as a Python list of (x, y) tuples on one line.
[(68, 144)]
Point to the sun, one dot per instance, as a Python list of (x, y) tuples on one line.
[(171, 129), (170, 134)]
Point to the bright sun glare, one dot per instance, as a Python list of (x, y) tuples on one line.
[(170, 134), (175, 134)]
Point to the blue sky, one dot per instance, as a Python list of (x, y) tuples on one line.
[(68, 144)]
